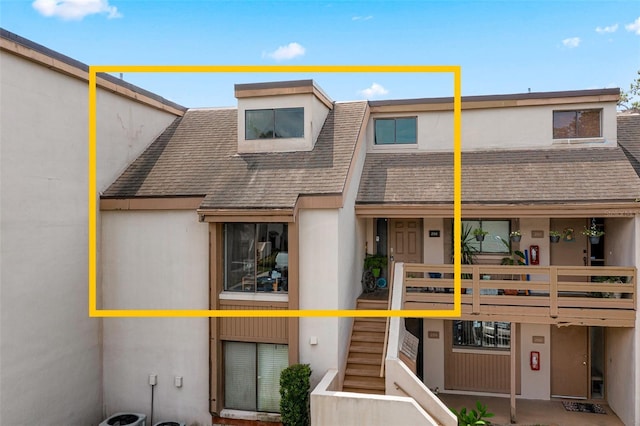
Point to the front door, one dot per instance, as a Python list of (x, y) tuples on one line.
[(405, 240), (570, 362)]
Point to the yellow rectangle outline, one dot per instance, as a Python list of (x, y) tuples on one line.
[(457, 189)]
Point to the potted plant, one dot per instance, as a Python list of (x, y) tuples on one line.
[(567, 234), (515, 236), (375, 263), (479, 233), (594, 233), (554, 236)]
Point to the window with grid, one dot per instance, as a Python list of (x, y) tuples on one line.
[(390, 131), (577, 124), (482, 334), (256, 257), (274, 123)]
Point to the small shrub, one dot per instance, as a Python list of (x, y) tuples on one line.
[(473, 418), (294, 395)]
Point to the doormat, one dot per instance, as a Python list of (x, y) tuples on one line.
[(583, 407)]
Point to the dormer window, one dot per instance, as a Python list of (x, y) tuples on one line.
[(390, 131), (576, 124), (274, 123)]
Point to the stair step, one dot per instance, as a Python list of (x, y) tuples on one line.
[(367, 336), (365, 347), (367, 370), (359, 382), (365, 358), (382, 320), (369, 391), (372, 305), (378, 326)]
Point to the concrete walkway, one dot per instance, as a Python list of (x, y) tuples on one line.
[(533, 412)]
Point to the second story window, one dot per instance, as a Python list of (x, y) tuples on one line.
[(256, 257), (274, 123), (390, 131), (577, 124)]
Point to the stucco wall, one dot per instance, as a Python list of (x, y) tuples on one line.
[(433, 353), (48, 341), (154, 260), (535, 384), (495, 128), (319, 281), (620, 392), (619, 242)]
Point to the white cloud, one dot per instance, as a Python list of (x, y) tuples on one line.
[(608, 29), (634, 26), (362, 18), (571, 42), (289, 51), (75, 9), (373, 91)]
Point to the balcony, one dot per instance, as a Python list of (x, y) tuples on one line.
[(564, 295)]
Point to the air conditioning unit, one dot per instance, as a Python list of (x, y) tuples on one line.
[(125, 419), (170, 423)]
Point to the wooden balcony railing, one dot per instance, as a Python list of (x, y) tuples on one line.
[(544, 294)]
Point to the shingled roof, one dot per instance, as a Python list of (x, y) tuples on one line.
[(629, 137), (496, 177), (197, 156)]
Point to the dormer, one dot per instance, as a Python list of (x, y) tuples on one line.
[(281, 116)]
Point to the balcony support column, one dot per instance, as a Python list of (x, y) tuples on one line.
[(512, 375)]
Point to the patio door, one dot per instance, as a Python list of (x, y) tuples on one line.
[(405, 240), (570, 362)]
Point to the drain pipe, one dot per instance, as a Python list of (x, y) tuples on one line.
[(153, 380)]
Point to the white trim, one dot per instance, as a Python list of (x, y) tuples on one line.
[(255, 297), (481, 351)]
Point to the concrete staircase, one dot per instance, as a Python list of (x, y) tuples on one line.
[(366, 351)]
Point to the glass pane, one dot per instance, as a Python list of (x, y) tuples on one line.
[(589, 124), (289, 123), (258, 124), (239, 257), (272, 359), (240, 376), (405, 130), (564, 124), (472, 224), (273, 257), (498, 229), (485, 334), (385, 131)]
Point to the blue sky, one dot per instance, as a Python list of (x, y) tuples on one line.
[(502, 46)]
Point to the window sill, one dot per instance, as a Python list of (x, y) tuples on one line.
[(394, 147), (258, 297), (579, 141), (482, 351), (250, 415)]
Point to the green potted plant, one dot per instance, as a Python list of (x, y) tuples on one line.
[(515, 236), (479, 233), (554, 236), (594, 233), (375, 263), (567, 234)]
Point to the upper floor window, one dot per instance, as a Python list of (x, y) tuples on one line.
[(577, 124), (274, 123), (256, 257), (389, 131)]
